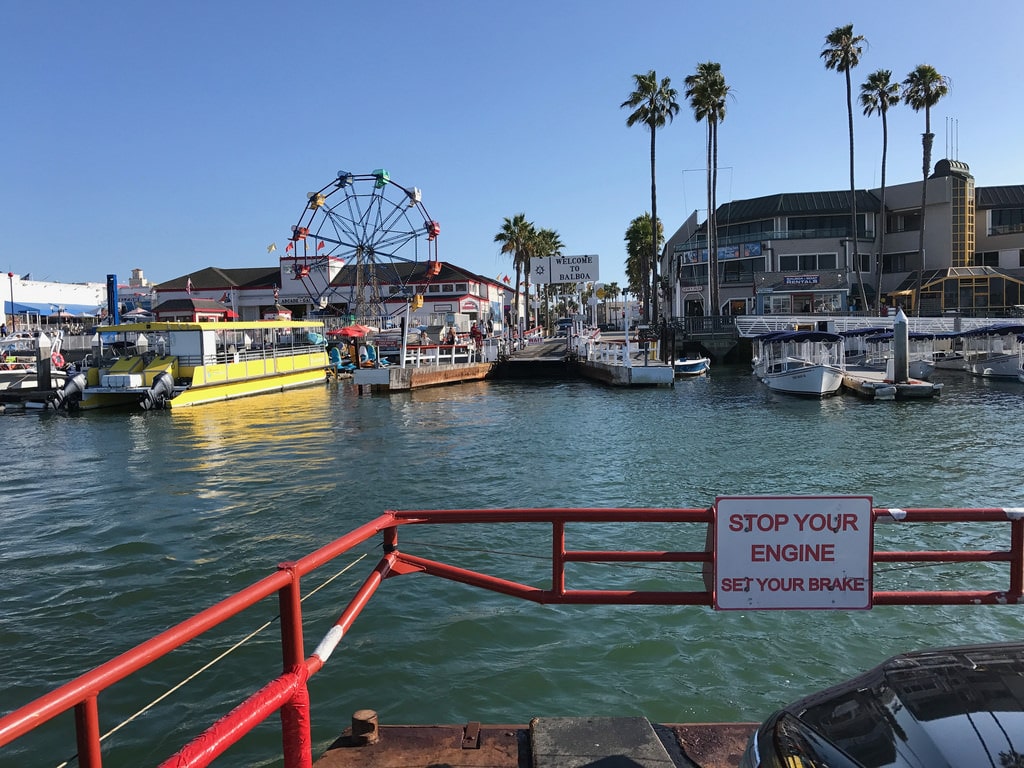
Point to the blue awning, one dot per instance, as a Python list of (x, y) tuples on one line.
[(46, 309)]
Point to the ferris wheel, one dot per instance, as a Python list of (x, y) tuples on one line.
[(361, 239)]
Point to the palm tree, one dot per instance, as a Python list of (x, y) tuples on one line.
[(877, 94), (922, 90), (547, 242), (638, 246), (707, 91), (654, 104), (842, 53), (515, 238)]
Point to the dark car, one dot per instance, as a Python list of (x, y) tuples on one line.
[(959, 706)]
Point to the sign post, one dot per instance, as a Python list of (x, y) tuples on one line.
[(793, 552)]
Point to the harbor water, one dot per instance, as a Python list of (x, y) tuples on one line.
[(117, 526)]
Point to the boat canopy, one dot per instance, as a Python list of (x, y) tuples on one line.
[(995, 330), (870, 331), (782, 336)]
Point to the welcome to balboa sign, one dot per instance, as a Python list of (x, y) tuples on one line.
[(564, 269)]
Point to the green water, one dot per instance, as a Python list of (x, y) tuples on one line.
[(116, 526)]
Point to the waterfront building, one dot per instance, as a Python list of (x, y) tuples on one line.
[(791, 253), (437, 293)]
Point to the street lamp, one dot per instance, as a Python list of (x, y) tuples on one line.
[(14, 315)]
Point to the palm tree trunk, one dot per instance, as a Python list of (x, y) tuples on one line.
[(853, 197), (653, 306), (709, 239), (881, 239), (926, 145), (716, 301)]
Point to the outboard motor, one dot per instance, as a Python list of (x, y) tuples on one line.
[(68, 398), (161, 391)]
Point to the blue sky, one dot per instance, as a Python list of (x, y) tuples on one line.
[(175, 136)]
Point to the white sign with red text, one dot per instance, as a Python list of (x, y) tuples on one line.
[(793, 552)]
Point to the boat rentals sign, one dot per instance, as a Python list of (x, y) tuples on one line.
[(795, 552)]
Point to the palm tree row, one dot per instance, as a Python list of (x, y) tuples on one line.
[(922, 89), (523, 241), (654, 104)]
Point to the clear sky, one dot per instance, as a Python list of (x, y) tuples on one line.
[(173, 136)]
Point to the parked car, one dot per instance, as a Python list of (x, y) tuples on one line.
[(959, 706)]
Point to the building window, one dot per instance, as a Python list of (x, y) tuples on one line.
[(906, 221), (807, 262), (986, 259), (1021, 256), (433, 289), (897, 262), (1006, 221), (461, 288)]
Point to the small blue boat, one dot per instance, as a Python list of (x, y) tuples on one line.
[(691, 366)]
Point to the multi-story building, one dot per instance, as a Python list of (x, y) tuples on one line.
[(794, 253)]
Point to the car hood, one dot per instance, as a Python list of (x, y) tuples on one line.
[(928, 709)]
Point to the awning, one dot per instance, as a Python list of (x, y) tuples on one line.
[(46, 309)]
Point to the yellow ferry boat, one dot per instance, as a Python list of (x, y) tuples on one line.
[(175, 364)]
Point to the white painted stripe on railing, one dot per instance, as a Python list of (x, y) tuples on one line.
[(897, 514), (1014, 513), (329, 643)]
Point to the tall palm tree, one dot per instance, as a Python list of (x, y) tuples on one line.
[(842, 53), (922, 89), (515, 238), (707, 91), (877, 94), (653, 104)]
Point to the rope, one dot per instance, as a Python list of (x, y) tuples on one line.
[(211, 663)]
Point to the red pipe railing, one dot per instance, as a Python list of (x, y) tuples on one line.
[(288, 693)]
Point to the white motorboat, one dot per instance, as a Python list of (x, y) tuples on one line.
[(809, 363), (920, 353), (691, 366), (993, 351)]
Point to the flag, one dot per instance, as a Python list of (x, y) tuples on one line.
[(506, 279), (188, 286), (320, 245), (224, 299), (289, 246), (272, 247)]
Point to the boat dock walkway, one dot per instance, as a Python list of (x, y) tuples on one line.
[(595, 360), (873, 384), (546, 742)]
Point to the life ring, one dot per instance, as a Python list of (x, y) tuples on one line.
[(57, 359)]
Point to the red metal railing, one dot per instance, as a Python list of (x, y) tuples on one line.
[(288, 693)]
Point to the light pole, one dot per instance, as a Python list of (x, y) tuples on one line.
[(14, 315)]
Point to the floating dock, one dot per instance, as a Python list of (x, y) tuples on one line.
[(874, 385)]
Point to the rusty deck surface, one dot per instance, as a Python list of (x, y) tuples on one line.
[(701, 745)]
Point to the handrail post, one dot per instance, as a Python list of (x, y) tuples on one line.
[(296, 734), (1017, 558), (558, 557), (87, 733)]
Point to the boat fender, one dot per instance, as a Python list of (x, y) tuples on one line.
[(71, 395), (161, 391), (57, 359)]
